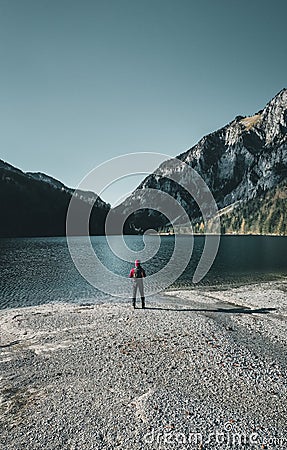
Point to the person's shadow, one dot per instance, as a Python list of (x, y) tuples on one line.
[(237, 310)]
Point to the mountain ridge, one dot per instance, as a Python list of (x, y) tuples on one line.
[(35, 204), (238, 162)]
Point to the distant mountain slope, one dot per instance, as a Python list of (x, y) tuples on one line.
[(265, 214), (34, 204), (240, 162)]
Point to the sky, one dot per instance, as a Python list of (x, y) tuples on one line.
[(83, 81)]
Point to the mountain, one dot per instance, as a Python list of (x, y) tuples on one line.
[(244, 164), (35, 204), (265, 214), (241, 163)]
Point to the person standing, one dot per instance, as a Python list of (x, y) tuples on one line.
[(137, 274)]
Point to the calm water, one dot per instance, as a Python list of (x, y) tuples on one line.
[(40, 270)]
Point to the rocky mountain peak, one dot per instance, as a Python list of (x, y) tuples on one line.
[(238, 162), (274, 118)]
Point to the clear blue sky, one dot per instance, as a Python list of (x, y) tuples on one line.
[(83, 81)]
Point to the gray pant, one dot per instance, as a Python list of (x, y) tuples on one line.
[(138, 285)]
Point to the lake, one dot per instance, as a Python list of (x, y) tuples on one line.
[(40, 270)]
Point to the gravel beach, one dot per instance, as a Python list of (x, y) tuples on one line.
[(200, 369)]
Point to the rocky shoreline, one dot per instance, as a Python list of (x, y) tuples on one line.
[(196, 369)]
